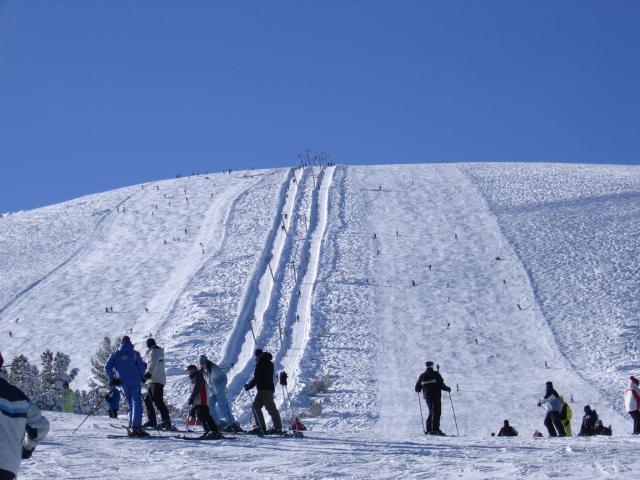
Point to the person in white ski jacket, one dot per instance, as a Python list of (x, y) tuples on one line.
[(553, 404), (216, 380), (156, 378), (22, 427), (632, 403)]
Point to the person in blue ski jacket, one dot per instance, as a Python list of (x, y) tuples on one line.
[(113, 399), (216, 380), (130, 369)]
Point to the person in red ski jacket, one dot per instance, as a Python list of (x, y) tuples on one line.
[(198, 400)]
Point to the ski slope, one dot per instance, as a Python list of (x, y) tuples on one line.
[(505, 275)]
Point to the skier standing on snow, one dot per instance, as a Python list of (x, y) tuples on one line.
[(217, 390), (130, 368), (22, 427), (113, 398), (553, 404), (198, 400), (632, 403), (68, 398), (157, 379), (566, 414), (263, 376), (431, 384)]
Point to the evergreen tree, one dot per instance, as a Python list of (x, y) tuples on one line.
[(99, 379), (25, 376)]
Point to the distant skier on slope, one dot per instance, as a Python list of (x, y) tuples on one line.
[(22, 427), (198, 400), (219, 408), (263, 376), (157, 379), (507, 430), (552, 403), (632, 403), (431, 384), (130, 368)]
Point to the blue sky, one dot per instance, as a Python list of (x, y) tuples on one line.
[(96, 95)]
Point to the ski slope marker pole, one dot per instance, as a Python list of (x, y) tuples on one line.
[(421, 415), (454, 414)]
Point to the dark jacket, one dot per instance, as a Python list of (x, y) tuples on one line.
[(508, 432), (589, 423), (263, 374), (199, 391), (113, 397), (431, 384)]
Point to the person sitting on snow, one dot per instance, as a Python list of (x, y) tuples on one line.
[(588, 422), (507, 430), (600, 429)]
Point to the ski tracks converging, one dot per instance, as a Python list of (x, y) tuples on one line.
[(278, 318)]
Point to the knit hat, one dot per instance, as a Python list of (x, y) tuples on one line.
[(429, 364), (126, 339), (191, 367), (203, 360), (549, 384), (151, 342), (634, 380), (257, 352)]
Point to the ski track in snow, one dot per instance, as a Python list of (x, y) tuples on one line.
[(523, 258)]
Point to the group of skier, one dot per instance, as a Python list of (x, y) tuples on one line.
[(558, 417), (208, 404)]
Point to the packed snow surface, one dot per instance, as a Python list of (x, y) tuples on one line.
[(506, 276)]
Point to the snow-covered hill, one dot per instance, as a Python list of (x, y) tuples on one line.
[(505, 275)]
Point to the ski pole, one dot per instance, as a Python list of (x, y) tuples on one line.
[(255, 414), (421, 415), (454, 414), (90, 413)]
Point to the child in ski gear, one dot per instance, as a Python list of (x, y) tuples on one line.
[(431, 384), (565, 417), (263, 376), (507, 430), (156, 377), (552, 403), (198, 399), (632, 403), (22, 427), (588, 422), (130, 368), (68, 398), (297, 425), (113, 398), (216, 380)]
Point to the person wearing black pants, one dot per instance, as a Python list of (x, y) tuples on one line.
[(198, 400), (157, 379), (431, 384)]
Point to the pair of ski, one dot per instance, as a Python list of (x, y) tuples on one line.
[(180, 435)]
